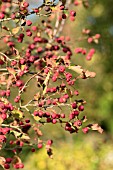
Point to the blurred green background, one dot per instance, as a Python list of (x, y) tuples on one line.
[(92, 151)]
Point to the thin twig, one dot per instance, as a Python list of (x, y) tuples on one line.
[(5, 56)]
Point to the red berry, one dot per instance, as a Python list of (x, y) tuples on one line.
[(73, 13), (76, 112), (7, 93), (29, 33), (2, 93), (81, 108), (97, 36), (33, 150), (16, 100), (54, 121), (3, 116), (19, 83), (61, 69), (13, 63), (54, 115), (40, 145), (54, 78), (34, 28), (27, 120), (62, 7), (72, 18), (28, 23), (78, 123), (64, 16), (49, 142), (13, 16), (90, 40), (62, 115), (36, 10), (2, 15), (6, 166), (74, 105), (8, 160), (21, 165), (85, 130), (25, 4), (62, 100), (71, 116), (76, 92)]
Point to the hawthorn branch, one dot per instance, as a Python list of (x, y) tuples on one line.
[(11, 126), (63, 21), (25, 85)]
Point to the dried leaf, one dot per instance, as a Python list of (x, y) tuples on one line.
[(90, 74), (15, 30), (16, 160), (96, 41), (86, 74), (2, 161), (37, 118), (97, 127), (38, 131), (1, 120), (11, 71), (78, 69), (16, 52), (45, 84), (37, 96), (49, 151), (9, 81), (84, 119)]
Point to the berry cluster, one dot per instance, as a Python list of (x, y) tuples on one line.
[(37, 56)]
